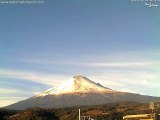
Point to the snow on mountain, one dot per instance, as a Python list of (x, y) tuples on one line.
[(79, 91), (76, 84)]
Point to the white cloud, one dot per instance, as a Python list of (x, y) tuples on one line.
[(8, 91), (121, 64), (133, 81), (47, 79), (127, 59), (113, 79), (7, 94), (129, 81), (10, 100), (91, 63), (7, 102)]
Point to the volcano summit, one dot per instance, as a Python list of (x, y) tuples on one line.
[(77, 84), (79, 91)]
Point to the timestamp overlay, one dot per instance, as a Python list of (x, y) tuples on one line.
[(148, 3)]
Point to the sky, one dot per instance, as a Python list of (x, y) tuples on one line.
[(113, 42)]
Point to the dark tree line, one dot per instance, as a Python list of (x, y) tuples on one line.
[(114, 111)]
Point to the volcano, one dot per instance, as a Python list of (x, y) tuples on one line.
[(77, 84), (79, 91)]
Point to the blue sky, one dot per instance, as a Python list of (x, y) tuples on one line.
[(112, 42)]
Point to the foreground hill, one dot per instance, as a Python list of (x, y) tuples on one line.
[(112, 111), (79, 91)]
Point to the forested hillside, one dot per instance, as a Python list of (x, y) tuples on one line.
[(114, 111)]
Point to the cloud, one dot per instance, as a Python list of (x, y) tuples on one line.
[(143, 82), (130, 59), (132, 81), (48, 79), (8, 91), (120, 64), (132, 77), (12, 95), (115, 79), (7, 102), (91, 63), (10, 100)]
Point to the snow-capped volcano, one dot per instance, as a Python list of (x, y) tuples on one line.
[(77, 91), (77, 84)]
